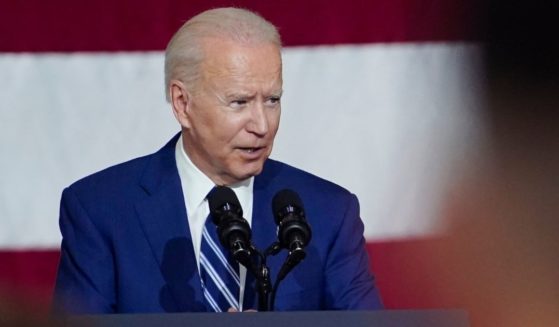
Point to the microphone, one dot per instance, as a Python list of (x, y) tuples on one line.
[(233, 230), (294, 233)]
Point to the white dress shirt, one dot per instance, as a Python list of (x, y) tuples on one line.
[(195, 186)]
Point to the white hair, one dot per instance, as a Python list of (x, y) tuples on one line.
[(184, 52)]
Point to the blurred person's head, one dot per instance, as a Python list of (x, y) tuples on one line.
[(505, 216)]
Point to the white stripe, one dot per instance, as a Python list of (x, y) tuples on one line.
[(211, 301), (217, 280), (419, 96), (217, 251)]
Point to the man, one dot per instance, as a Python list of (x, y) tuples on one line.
[(133, 233)]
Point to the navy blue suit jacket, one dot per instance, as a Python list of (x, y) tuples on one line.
[(126, 243)]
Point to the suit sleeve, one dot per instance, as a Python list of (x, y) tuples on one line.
[(85, 279), (349, 283)]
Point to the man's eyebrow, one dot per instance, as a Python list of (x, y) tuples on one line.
[(273, 93), (236, 95), (246, 95)]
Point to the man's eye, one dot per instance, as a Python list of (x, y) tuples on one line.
[(273, 100), (238, 103)]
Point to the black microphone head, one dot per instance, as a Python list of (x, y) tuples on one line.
[(293, 230), (284, 201), (222, 199)]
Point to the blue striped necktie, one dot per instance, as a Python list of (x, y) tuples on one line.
[(219, 272)]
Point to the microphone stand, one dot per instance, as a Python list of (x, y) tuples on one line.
[(293, 258), (262, 275), (255, 262), (261, 272), (264, 287)]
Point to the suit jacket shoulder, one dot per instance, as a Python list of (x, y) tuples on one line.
[(132, 173), (276, 172), (335, 274), (115, 223)]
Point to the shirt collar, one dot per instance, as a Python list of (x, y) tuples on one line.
[(196, 185)]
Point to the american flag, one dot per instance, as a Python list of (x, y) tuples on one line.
[(380, 96)]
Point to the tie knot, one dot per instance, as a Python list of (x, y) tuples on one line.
[(211, 192), (223, 200)]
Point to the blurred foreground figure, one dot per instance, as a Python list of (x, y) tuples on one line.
[(16, 312), (503, 257)]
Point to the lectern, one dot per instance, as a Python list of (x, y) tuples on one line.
[(385, 318)]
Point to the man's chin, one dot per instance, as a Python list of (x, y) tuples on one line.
[(241, 171), (251, 171)]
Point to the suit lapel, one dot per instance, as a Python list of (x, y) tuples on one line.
[(163, 218), (266, 185), (263, 226)]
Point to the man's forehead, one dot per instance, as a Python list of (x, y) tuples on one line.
[(216, 50), (238, 86), (214, 40), (223, 59)]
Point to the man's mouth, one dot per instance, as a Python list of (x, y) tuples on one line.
[(250, 150)]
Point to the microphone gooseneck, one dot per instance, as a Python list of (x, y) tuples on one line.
[(233, 230), (294, 233), (235, 235)]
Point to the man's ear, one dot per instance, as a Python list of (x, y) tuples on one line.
[(180, 101)]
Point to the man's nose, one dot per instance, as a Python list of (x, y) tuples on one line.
[(258, 123)]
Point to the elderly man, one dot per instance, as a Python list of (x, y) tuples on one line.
[(134, 234)]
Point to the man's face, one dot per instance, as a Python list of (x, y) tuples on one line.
[(233, 112)]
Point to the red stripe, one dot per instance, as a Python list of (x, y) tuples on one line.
[(404, 271), (129, 25), (409, 276), (27, 279)]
